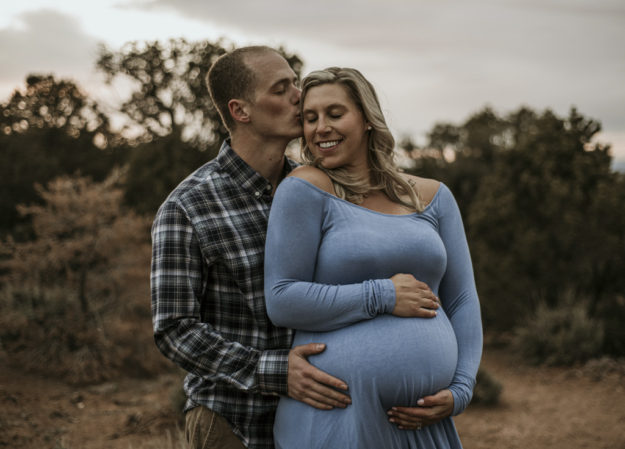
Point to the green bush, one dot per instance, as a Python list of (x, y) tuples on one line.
[(560, 335), (487, 389)]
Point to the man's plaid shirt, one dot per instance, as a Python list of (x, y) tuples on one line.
[(208, 305)]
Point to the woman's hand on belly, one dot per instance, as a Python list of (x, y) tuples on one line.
[(431, 409), (413, 298)]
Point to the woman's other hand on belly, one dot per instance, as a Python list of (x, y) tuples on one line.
[(430, 410), (413, 298)]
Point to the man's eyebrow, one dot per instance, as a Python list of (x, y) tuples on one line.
[(285, 80)]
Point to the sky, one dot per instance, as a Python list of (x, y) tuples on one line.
[(430, 60)]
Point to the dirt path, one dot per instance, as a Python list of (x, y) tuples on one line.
[(541, 408)]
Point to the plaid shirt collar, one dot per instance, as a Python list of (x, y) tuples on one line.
[(244, 175)]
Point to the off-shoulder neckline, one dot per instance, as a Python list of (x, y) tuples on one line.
[(341, 200)]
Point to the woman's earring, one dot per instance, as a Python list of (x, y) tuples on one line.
[(369, 128)]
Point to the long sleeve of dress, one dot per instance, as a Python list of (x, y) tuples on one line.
[(459, 299), (293, 237)]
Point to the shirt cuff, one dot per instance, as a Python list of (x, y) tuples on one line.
[(272, 372)]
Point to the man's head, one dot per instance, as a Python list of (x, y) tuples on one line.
[(256, 85)]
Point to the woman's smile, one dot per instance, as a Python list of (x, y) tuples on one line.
[(328, 145)]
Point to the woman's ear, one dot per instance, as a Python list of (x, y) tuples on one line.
[(239, 111)]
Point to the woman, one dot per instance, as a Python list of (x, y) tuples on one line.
[(345, 233)]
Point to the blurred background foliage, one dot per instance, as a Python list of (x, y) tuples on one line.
[(545, 220), (543, 211)]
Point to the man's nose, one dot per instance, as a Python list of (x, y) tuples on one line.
[(297, 95)]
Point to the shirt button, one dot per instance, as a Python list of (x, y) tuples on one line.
[(268, 188), (257, 194)]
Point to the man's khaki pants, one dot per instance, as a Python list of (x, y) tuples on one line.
[(205, 429)]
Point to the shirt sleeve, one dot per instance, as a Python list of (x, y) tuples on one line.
[(293, 238), (177, 279), (460, 301)]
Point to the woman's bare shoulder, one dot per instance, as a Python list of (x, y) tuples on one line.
[(426, 188), (314, 176)]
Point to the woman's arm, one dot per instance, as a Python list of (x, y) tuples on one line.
[(460, 301), (293, 299)]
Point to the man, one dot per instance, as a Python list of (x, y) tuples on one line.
[(207, 266)]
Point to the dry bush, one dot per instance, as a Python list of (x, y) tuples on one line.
[(560, 335), (76, 298), (487, 389)]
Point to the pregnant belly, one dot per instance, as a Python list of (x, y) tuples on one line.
[(388, 359)]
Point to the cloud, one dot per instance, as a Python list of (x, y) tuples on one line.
[(551, 41), (435, 60), (45, 41), (390, 23), (431, 60)]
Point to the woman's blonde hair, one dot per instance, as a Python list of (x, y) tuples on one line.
[(385, 175)]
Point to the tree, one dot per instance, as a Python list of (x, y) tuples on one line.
[(544, 214), (537, 223), (49, 128), (75, 298), (49, 103), (170, 118), (170, 95), (155, 168), (85, 243), (460, 155)]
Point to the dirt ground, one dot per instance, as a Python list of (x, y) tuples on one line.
[(540, 408), (544, 407)]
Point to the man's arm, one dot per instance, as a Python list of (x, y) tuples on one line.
[(177, 281), (311, 385)]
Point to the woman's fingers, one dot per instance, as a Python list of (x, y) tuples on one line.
[(405, 421), (413, 298)]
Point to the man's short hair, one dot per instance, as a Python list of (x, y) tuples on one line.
[(231, 78)]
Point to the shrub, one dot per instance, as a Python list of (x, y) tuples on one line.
[(602, 367), (560, 335), (75, 299), (611, 312), (487, 389)]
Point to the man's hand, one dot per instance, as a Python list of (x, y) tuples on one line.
[(413, 298), (311, 385), (430, 410)]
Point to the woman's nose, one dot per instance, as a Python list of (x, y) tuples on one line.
[(323, 127)]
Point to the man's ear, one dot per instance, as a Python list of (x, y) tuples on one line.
[(239, 110)]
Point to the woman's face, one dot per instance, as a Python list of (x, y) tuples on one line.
[(334, 127)]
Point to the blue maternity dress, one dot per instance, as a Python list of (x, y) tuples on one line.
[(327, 269)]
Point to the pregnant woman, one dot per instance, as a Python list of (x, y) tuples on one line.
[(347, 232)]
